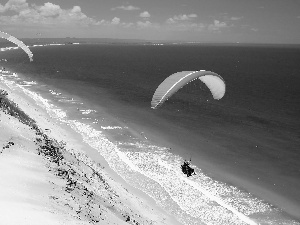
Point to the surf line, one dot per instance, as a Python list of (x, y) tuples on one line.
[(220, 202), (240, 215)]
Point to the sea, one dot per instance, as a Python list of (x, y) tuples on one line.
[(245, 147)]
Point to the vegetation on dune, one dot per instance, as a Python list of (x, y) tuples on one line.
[(87, 193), (11, 108)]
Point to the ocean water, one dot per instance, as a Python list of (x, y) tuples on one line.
[(243, 147)]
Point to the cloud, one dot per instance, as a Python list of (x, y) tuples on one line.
[(17, 14), (186, 22), (145, 14), (148, 24), (115, 21), (128, 8), (47, 14), (217, 25), (236, 18), (182, 17), (127, 25), (14, 5), (187, 25), (144, 24), (49, 9)]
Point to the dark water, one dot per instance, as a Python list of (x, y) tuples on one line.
[(250, 138)]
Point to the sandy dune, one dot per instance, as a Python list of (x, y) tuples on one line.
[(46, 181)]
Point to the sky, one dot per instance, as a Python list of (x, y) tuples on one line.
[(215, 21)]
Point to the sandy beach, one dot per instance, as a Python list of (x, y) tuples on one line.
[(47, 178)]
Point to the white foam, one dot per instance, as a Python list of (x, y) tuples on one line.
[(222, 213), (111, 127), (56, 44), (53, 92), (87, 111), (157, 167), (29, 82), (52, 110)]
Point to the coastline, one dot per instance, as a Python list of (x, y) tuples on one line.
[(258, 189), (100, 197), (61, 131)]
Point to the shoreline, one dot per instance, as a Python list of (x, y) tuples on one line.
[(73, 138), (257, 188), (289, 207), (127, 198)]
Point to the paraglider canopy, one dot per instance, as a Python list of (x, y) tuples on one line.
[(173, 83), (17, 42)]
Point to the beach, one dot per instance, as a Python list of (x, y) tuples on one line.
[(37, 188)]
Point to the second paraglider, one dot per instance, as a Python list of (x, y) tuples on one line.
[(18, 43), (173, 83)]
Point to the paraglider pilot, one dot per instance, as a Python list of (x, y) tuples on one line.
[(186, 169)]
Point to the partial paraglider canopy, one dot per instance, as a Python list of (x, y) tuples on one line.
[(173, 83), (18, 43)]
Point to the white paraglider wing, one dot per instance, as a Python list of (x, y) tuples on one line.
[(18, 43), (215, 84), (173, 83)]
